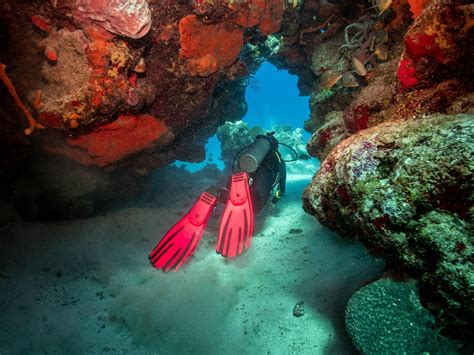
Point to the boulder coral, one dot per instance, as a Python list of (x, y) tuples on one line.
[(386, 315), (404, 189)]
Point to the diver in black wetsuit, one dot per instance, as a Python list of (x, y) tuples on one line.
[(270, 174), (262, 173)]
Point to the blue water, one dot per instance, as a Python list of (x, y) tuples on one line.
[(273, 98)]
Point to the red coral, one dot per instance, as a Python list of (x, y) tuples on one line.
[(343, 194), (407, 73), (98, 49), (381, 222), (208, 47), (115, 141), (266, 14), (51, 55), (423, 45), (271, 21), (324, 135), (50, 119), (357, 118), (251, 14), (417, 6)]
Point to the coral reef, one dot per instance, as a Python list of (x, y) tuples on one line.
[(383, 308), (100, 60), (128, 86), (403, 188)]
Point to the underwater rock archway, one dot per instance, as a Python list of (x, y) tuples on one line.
[(128, 86)]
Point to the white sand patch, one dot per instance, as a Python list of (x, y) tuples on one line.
[(86, 286)]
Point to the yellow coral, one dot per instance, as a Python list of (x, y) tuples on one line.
[(11, 89), (439, 30), (119, 58)]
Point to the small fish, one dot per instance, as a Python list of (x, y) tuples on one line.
[(141, 66), (381, 5), (381, 52), (359, 67), (349, 80), (329, 79)]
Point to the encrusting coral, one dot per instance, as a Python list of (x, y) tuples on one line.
[(403, 188)]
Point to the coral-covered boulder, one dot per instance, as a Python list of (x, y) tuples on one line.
[(387, 315), (404, 189), (131, 18), (328, 136), (208, 48), (115, 141)]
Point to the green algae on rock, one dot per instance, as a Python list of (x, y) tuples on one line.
[(387, 317), (404, 189)]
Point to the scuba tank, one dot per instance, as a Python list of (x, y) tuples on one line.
[(266, 169), (255, 153)]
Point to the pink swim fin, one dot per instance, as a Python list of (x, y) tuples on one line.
[(236, 227), (180, 242)]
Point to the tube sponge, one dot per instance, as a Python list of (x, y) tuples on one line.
[(11, 89)]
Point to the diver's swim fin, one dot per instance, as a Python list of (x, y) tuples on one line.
[(235, 230), (181, 240)]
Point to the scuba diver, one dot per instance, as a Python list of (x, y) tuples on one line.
[(262, 173)]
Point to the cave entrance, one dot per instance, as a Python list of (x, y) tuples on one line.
[(273, 100), (274, 104)]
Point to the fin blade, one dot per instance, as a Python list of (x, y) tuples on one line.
[(236, 227), (180, 242)]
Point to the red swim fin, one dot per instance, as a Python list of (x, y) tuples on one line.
[(235, 230), (180, 242)]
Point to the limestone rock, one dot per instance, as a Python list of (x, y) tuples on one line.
[(404, 189)]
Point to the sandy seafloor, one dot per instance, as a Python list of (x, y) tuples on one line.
[(86, 287)]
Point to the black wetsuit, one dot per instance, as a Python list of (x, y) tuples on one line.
[(268, 179), (270, 175)]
